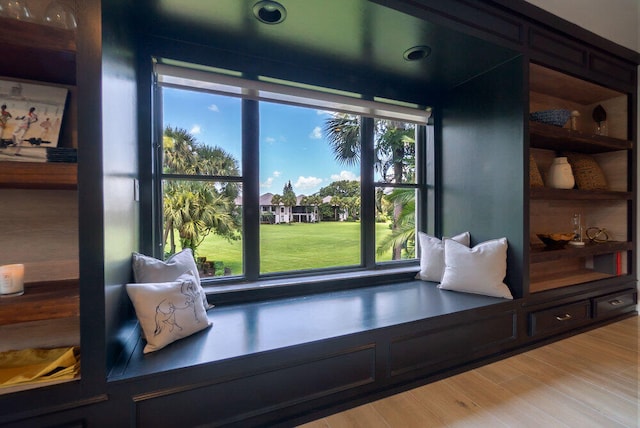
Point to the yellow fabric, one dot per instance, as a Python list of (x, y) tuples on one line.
[(38, 365)]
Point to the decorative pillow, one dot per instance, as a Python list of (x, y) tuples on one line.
[(168, 311), (150, 269), (432, 255), (479, 270), (535, 178), (586, 171)]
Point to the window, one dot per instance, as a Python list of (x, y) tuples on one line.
[(264, 179)]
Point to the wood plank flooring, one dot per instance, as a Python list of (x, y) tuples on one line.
[(589, 380)]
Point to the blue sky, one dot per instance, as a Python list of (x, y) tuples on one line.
[(292, 146)]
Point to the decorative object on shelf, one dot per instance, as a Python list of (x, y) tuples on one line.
[(558, 117), (576, 223), (560, 175), (555, 241), (59, 15), (15, 9), (535, 178), (587, 173), (62, 154), (574, 120), (31, 119), (12, 280), (38, 365), (600, 118), (597, 234)]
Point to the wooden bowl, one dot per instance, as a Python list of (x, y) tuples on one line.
[(555, 241)]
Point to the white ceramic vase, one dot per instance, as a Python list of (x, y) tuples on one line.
[(560, 175)]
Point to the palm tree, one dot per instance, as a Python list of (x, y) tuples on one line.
[(394, 151), (196, 208), (403, 234), (277, 200)]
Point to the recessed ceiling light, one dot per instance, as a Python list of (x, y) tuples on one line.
[(417, 53), (269, 12)]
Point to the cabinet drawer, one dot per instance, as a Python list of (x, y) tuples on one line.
[(614, 304), (559, 318)]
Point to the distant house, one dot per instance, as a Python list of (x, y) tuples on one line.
[(275, 214), (339, 214)]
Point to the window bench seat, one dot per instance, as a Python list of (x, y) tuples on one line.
[(292, 355)]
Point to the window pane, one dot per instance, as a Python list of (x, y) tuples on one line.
[(206, 217), (202, 133), (310, 189), (395, 151), (395, 224)]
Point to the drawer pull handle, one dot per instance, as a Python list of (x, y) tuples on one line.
[(565, 317), (615, 302)]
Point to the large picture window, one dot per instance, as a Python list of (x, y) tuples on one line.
[(262, 179)]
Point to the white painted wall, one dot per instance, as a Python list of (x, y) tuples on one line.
[(616, 20)]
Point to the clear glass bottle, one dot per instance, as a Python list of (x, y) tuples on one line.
[(576, 225)]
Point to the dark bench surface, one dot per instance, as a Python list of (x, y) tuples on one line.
[(245, 329)]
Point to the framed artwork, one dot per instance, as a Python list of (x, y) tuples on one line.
[(30, 119)]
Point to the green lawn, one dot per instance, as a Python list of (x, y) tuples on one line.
[(296, 246)]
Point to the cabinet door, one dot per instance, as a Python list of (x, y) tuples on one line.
[(559, 319), (615, 304)]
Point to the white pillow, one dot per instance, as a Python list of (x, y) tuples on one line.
[(478, 270), (432, 255), (168, 311), (150, 269)]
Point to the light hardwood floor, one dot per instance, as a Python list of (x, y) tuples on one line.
[(588, 380)]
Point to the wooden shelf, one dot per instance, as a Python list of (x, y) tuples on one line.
[(553, 137), (547, 193), (40, 52), (34, 175), (540, 254), (554, 280), (560, 85), (42, 301)]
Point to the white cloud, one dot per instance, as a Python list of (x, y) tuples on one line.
[(345, 175), (270, 140), (195, 130), (324, 113), (267, 183), (306, 183), (214, 108), (316, 134)]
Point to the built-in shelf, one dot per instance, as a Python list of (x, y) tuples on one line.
[(38, 175), (554, 280), (551, 137), (42, 301), (547, 193), (540, 254), (46, 53)]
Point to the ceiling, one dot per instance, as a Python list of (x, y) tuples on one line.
[(347, 44)]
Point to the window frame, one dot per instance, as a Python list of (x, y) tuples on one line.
[(249, 180)]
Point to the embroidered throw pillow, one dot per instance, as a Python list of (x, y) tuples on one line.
[(168, 311), (150, 269)]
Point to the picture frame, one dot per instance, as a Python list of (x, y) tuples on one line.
[(31, 117)]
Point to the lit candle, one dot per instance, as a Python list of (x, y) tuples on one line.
[(11, 280)]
